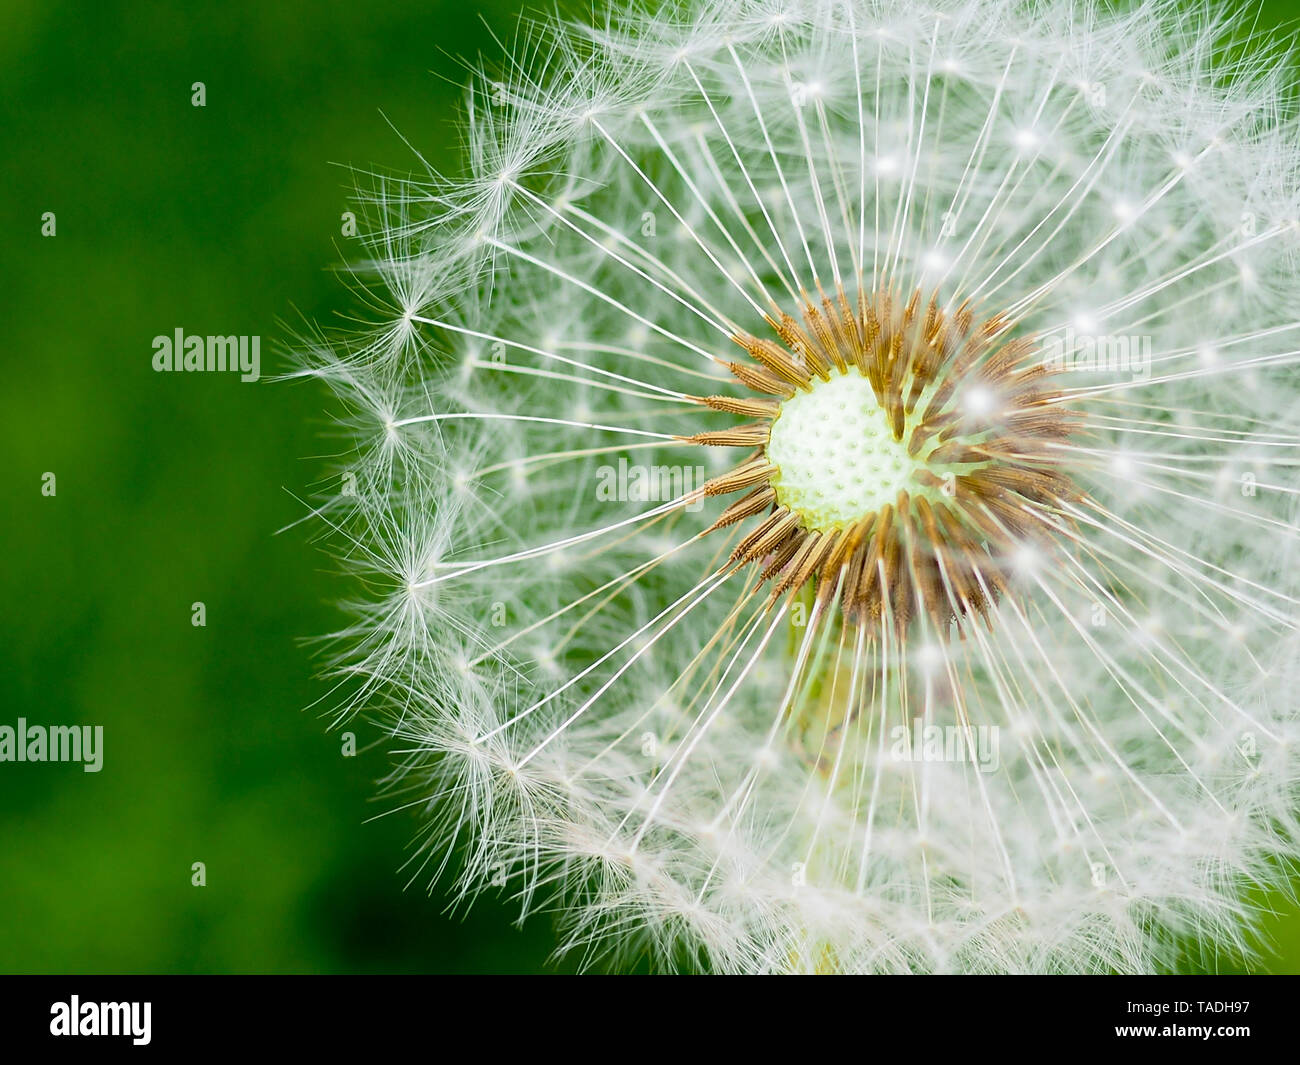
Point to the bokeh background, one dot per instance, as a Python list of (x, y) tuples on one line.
[(170, 488)]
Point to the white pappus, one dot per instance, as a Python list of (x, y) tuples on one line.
[(974, 647)]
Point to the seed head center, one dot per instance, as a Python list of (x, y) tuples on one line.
[(836, 457), (900, 456)]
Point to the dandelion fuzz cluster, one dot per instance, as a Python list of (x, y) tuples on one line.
[(949, 620)]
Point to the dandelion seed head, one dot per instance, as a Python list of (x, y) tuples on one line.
[(825, 485)]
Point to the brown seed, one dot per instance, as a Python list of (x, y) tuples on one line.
[(940, 548)]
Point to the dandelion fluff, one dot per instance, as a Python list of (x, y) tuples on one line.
[(825, 485)]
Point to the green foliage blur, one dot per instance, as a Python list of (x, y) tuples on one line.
[(170, 488)]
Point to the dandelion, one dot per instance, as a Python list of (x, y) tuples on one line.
[(825, 485)]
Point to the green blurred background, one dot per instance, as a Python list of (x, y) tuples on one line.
[(220, 219)]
